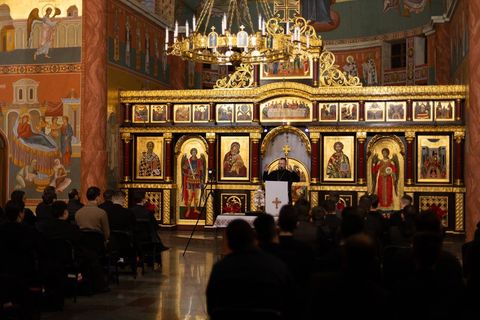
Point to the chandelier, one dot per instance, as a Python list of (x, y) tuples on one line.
[(271, 39)]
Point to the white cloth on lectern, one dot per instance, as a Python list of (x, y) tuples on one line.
[(276, 196)]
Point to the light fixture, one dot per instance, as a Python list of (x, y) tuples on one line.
[(271, 39)]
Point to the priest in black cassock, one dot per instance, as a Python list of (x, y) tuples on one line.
[(282, 174)]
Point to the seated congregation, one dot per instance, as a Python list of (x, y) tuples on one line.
[(69, 249), (329, 262)]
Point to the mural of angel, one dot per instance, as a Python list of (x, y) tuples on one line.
[(47, 30), (385, 174), (193, 179)]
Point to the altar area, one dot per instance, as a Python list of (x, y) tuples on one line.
[(339, 136)]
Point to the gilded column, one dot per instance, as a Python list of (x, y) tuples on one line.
[(168, 156), (255, 163), (315, 111), (212, 112), (256, 112), (211, 139), (316, 73), (127, 138), (93, 162), (166, 216), (410, 137), (458, 110), (458, 173), (314, 139), (472, 151), (361, 111), (361, 137), (256, 75), (127, 115)]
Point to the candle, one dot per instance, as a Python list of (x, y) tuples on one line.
[(259, 22), (166, 35), (308, 42), (263, 27), (194, 24), (187, 29), (288, 28)]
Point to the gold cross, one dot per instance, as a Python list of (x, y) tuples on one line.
[(286, 148), (286, 9), (276, 202)]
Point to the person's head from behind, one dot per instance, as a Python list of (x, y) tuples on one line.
[(282, 164), (360, 255), (18, 196), (107, 195), (240, 236), (49, 195), (59, 210), (318, 214), (330, 206), (334, 196), (14, 211), (287, 218), (139, 197), (303, 209), (118, 197), (374, 201), (427, 246), (427, 221), (352, 222), (74, 195), (265, 228), (93, 193), (365, 203), (406, 200)]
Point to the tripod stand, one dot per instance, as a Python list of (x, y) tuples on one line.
[(208, 188)]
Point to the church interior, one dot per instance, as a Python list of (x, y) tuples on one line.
[(239, 159)]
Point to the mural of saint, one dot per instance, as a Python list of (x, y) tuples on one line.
[(25, 132), (150, 162), (385, 173), (193, 178), (47, 30), (26, 175), (66, 134), (233, 165), (59, 178), (339, 164)]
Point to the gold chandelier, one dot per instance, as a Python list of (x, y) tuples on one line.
[(272, 39)]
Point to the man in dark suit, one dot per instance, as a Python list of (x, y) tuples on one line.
[(120, 218), (107, 200), (248, 279), (73, 205), (283, 173)]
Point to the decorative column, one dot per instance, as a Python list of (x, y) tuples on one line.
[(93, 161), (410, 137), (361, 111), (127, 115), (472, 160), (315, 111), (458, 173), (256, 112), (255, 163), (170, 115), (314, 139), (211, 139), (166, 216), (126, 138), (316, 72), (212, 112), (458, 110), (256, 75), (168, 156), (361, 138), (409, 110)]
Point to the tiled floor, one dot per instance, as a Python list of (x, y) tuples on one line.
[(175, 292)]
